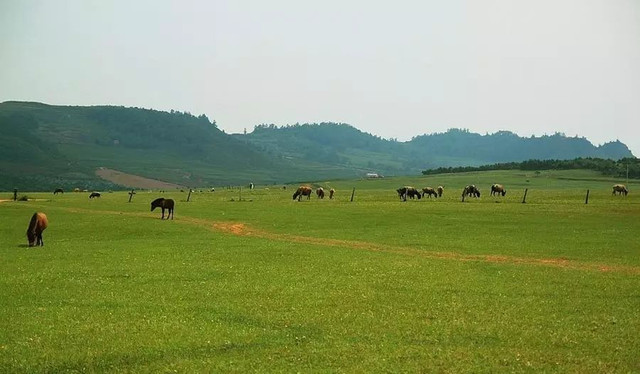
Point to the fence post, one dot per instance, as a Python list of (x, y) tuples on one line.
[(131, 195), (189, 196), (353, 193), (586, 200), (524, 199)]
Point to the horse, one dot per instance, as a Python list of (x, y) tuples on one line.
[(471, 190), (37, 225), (440, 190), (320, 192), (302, 191), (251, 186), (94, 194), (57, 191), (498, 189), (405, 191), (163, 203), (620, 189), (429, 191), (331, 193)]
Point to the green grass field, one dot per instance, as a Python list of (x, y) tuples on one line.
[(268, 284)]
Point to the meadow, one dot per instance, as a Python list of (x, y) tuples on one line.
[(250, 280)]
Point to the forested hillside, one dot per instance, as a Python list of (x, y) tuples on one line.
[(344, 145), (44, 146)]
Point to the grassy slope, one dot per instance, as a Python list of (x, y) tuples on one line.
[(373, 285)]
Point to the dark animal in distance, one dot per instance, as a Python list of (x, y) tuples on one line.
[(163, 204), (302, 191), (471, 190), (57, 191), (498, 189), (620, 189), (320, 192), (409, 191), (440, 190), (331, 193), (429, 191), (37, 225), (94, 194)]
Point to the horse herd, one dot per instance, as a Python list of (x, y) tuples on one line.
[(473, 191), (39, 221), (307, 191)]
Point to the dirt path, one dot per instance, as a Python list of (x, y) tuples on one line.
[(242, 229), (135, 181)]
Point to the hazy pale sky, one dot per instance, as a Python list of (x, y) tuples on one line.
[(392, 68)]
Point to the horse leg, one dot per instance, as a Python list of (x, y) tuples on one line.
[(162, 214), (40, 241)]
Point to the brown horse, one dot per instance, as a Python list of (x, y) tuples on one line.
[(302, 191), (331, 193), (37, 225), (620, 189), (429, 191), (498, 189), (320, 192), (163, 204)]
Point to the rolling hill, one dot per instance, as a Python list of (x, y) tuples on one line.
[(342, 144), (45, 146)]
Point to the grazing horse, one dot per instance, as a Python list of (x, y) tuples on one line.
[(302, 191), (498, 189), (331, 193), (620, 189), (320, 192), (471, 190), (429, 191), (405, 191), (94, 194), (440, 190), (57, 191), (37, 225), (163, 204)]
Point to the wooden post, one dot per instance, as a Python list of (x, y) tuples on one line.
[(240, 197), (353, 193), (524, 199), (189, 195), (15, 194), (586, 200), (131, 195)]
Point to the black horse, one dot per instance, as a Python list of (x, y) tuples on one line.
[(58, 190), (163, 204), (94, 194)]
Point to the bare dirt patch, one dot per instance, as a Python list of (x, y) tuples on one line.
[(134, 181)]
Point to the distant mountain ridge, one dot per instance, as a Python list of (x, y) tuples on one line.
[(343, 144), (45, 145)]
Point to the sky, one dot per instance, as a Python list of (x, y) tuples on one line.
[(396, 69)]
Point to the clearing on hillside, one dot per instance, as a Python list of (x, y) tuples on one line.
[(136, 181)]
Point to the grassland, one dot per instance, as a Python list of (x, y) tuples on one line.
[(253, 281)]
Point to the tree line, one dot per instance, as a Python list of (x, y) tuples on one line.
[(613, 168)]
